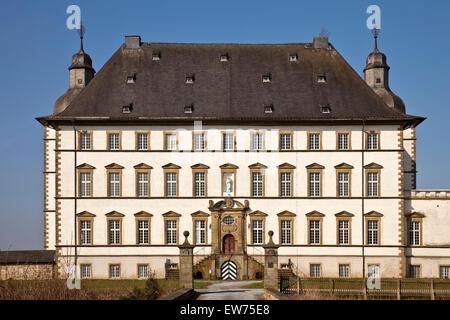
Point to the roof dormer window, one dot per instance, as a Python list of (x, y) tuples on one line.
[(156, 56), (268, 109), (190, 79), (132, 78), (127, 109), (224, 58), (266, 78), (293, 57), (325, 109), (321, 78), (189, 109)]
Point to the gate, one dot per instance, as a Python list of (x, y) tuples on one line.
[(229, 270)]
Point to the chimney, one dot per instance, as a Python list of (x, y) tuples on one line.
[(321, 42), (132, 42)]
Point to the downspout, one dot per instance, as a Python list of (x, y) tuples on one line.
[(75, 195), (362, 201)]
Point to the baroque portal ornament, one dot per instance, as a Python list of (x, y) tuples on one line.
[(229, 203)]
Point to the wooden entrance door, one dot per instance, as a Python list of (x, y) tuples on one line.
[(228, 244)]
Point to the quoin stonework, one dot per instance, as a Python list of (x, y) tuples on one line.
[(229, 142)]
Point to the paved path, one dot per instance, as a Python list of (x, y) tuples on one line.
[(230, 290)]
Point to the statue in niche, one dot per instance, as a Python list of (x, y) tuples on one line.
[(229, 185)]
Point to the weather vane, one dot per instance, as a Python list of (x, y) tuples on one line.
[(81, 31), (376, 32)]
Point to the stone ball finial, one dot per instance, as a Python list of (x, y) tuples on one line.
[(271, 233), (186, 233)]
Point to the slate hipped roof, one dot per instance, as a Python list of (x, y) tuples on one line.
[(228, 90), (27, 257)]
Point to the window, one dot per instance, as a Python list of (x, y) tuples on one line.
[(85, 141), (444, 272), (314, 231), (344, 271), (266, 78), (372, 232), (285, 184), (85, 184), (127, 109), (85, 232), (200, 184), (268, 109), (344, 232), (171, 232), (142, 184), (228, 141), (114, 184), (373, 271), (131, 79), (143, 231), (114, 232), (142, 271), (228, 220), (325, 109), (343, 184), (171, 184), (224, 57), (343, 142), (113, 141), (314, 141), (372, 184), (200, 232), (199, 141), (414, 233), (257, 184), (314, 184), (257, 231), (314, 270), (190, 79), (372, 141), (293, 57), (85, 271), (321, 79), (142, 141), (171, 142), (414, 271), (114, 271), (285, 141), (257, 141), (286, 231), (188, 109)]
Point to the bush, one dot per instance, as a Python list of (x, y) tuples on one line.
[(151, 291)]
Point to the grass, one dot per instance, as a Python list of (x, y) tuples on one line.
[(201, 284), (255, 285)]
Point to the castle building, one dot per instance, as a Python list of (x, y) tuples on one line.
[(230, 141)]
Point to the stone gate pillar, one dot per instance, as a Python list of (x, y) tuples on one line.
[(270, 264), (186, 263)]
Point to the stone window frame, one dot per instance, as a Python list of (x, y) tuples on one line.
[(258, 216), (85, 216), (286, 168), (415, 217), (258, 168), (85, 168), (366, 139), (165, 134), (290, 133), (308, 145), (114, 216), (444, 266), (314, 216), (286, 215), (420, 271), (142, 168), (204, 133), (315, 168), (113, 168), (222, 133), (137, 270), (263, 143), (349, 269), (320, 270), (137, 133), (91, 134), (228, 168), (109, 270), (344, 168), (90, 270), (199, 168), (349, 133), (344, 216), (171, 168), (171, 216), (372, 168), (199, 216), (373, 216), (108, 133), (143, 216)]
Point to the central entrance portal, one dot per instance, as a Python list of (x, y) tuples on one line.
[(229, 270), (228, 244)]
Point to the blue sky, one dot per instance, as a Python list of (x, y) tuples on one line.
[(37, 49)]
